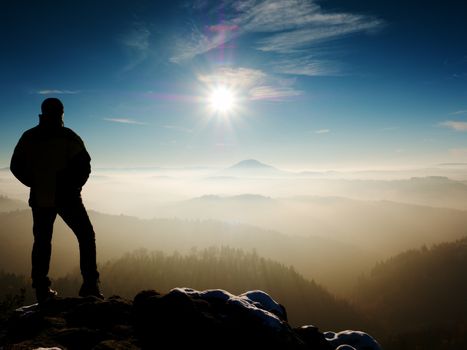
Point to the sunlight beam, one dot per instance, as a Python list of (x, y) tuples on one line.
[(222, 100)]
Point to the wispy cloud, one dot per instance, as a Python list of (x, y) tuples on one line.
[(178, 128), (256, 84), (124, 121), (57, 92), (291, 41), (459, 112), (234, 77), (136, 42), (198, 42), (286, 26), (455, 125), (322, 131), (307, 65), (295, 24), (199, 4), (273, 93)]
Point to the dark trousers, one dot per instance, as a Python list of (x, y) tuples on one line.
[(77, 219)]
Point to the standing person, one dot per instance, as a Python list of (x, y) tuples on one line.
[(52, 160)]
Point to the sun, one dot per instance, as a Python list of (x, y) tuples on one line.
[(222, 100)]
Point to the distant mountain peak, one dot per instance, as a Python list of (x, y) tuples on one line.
[(253, 168), (251, 164)]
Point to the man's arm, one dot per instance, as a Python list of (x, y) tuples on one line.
[(80, 167), (19, 164)]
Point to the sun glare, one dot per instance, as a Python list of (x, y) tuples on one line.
[(222, 100)]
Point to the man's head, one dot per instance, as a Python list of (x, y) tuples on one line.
[(52, 111), (52, 106)]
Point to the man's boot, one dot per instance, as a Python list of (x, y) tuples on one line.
[(44, 294), (89, 288)]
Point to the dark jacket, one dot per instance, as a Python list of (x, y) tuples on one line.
[(52, 160)]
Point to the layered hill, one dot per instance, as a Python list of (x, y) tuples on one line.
[(383, 227), (316, 257), (340, 238)]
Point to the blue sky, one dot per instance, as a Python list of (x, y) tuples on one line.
[(317, 83)]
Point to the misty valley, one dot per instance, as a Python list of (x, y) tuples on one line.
[(386, 255)]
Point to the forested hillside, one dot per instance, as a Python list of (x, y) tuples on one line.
[(226, 268), (420, 297), (415, 299)]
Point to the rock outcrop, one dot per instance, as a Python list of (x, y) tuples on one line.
[(182, 318)]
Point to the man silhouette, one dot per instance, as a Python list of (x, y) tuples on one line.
[(52, 160)]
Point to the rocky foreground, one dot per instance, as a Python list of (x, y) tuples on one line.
[(182, 318)]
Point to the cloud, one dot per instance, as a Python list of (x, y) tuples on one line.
[(234, 77), (285, 26), (306, 66), (198, 43), (322, 131), (281, 15), (255, 83), (273, 93), (200, 4), (178, 128), (136, 41), (459, 112), (455, 125), (124, 121), (57, 92), (297, 39)]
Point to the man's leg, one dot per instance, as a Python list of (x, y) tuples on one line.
[(41, 250), (76, 217)]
